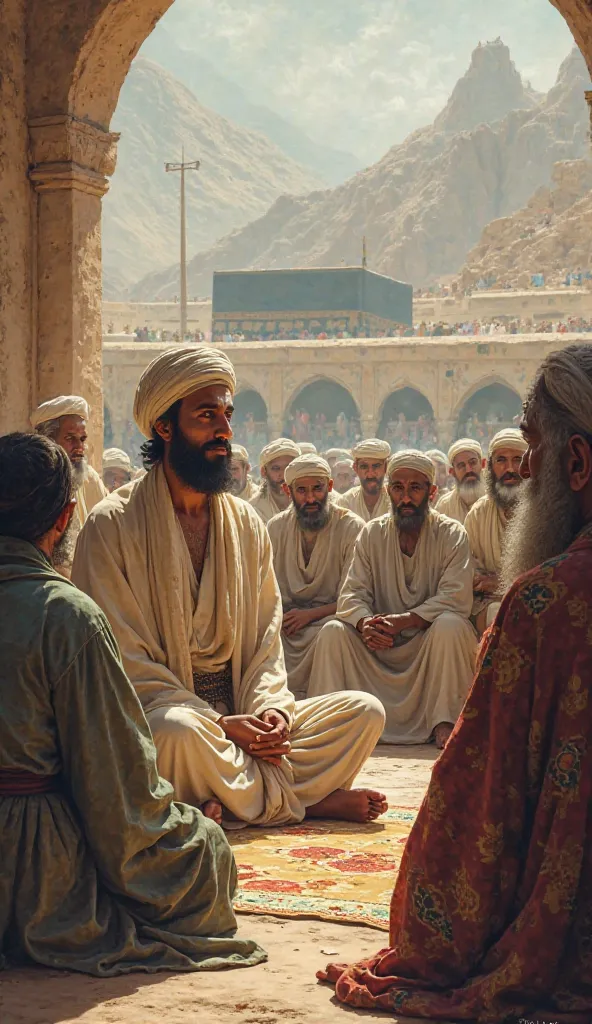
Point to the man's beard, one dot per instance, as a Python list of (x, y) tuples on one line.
[(64, 548), (546, 521), (470, 490), (275, 486), (79, 472), (313, 521), (237, 486), (190, 463), (371, 486), (414, 523), (503, 494)]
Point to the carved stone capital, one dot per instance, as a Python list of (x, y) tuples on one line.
[(67, 153)]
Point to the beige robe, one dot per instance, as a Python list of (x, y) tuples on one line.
[(354, 501), (451, 504), (133, 560), (425, 679), (90, 494), (486, 526), (310, 585), (264, 504)]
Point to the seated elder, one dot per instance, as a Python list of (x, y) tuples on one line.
[(491, 917), (404, 633), (101, 871)]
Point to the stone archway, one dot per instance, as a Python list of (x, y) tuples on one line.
[(407, 420), (488, 409), (250, 421), (324, 412)]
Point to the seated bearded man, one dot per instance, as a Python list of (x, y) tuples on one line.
[(487, 522), (184, 572), (490, 917), (466, 465), (271, 497), (343, 476), (242, 485), (369, 499), (313, 543), (403, 631), (101, 871), (117, 468)]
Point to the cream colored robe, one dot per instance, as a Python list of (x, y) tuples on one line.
[(264, 504), (486, 526), (133, 560), (451, 504), (354, 501), (90, 494), (312, 585), (425, 679)]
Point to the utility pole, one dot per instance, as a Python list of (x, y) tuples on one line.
[(182, 167)]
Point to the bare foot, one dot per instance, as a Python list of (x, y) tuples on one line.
[(350, 805), (442, 734), (212, 809)]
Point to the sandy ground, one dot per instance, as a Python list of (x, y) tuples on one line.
[(282, 991)]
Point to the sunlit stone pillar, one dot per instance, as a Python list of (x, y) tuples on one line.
[(71, 161)]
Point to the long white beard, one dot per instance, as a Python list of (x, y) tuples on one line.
[(507, 495), (79, 473), (471, 491), (546, 520)]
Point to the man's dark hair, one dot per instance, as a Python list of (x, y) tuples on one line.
[(152, 451), (35, 485)]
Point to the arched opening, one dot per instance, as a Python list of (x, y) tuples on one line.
[(488, 410), (249, 422), (408, 421), (325, 413)]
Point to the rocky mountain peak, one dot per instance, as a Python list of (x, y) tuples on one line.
[(490, 88)]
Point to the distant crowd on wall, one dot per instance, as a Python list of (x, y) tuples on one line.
[(561, 279)]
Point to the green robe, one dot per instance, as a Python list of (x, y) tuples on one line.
[(111, 875)]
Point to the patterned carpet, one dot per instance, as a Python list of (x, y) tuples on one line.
[(332, 870)]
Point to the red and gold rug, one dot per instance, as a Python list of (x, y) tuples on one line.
[(337, 871)]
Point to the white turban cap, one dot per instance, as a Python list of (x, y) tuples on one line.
[(435, 453), (307, 448), (508, 438), (65, 405), (341, 463), (337, 453), (307, 465), (275, 450), (240, 454), (464, 444), (115, 458), (176, 373), (372, 448), (412, 459)]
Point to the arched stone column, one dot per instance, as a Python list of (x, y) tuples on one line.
[(70, 163)]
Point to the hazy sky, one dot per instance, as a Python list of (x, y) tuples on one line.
[(362, 74)]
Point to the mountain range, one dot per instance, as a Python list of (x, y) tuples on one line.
[(423, 206)]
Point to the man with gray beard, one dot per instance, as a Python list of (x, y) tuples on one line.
[(487, 522), (466, 466), (498, 867), (313, 543), (64, 420), (402, 629)]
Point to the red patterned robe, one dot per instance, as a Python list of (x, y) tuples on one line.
[(491, 916)]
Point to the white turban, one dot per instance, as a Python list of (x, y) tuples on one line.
[(412, 459), (464, 444), (275, 450), (65, 405), (435, 453), (307, 448), (240, 454), (176, 373), (341, 463), (307, 465), (567, 376), (372, 448), (115, 458), (337, 453), (508, 438)]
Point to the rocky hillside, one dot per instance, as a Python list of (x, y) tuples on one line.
[(241, 175), (425, 204), (550, 235)]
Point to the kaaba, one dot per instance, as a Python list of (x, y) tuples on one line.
[(352, 301)]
